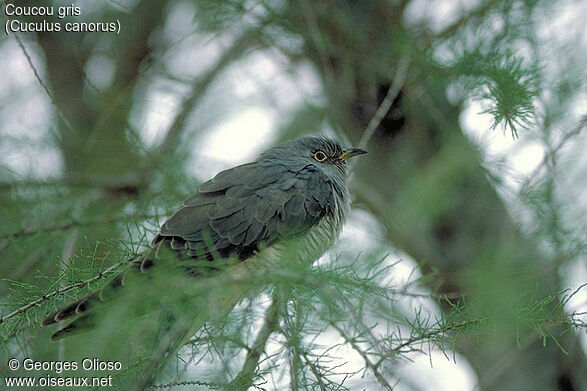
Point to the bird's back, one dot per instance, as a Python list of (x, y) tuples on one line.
[(261, 207), (243, 222)]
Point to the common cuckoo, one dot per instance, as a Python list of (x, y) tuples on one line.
[(293, 194)]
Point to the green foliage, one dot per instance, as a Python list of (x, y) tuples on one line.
[(511, 91), (481, 281), (505, 82)]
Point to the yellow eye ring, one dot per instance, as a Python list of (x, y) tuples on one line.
[(320, 156)]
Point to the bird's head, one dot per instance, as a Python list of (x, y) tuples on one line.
[(324, 153)]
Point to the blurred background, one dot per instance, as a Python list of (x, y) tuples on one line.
[(470, 205)]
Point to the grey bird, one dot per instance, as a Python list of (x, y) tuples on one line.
[(293, 197)]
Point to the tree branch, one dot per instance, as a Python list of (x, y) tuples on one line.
[(398, 81), (373, 367), (317, 38), (476, 13), (244, 379), (73, 224), (424, 336), (552, 153), (59, 291), (42, 83), (240, 45)]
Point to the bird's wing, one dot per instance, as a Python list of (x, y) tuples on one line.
[(238, 212), (249, 207)]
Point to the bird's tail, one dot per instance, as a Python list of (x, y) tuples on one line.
[(175, 304), (82, 312)]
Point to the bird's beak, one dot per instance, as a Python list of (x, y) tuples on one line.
[(352, 152)]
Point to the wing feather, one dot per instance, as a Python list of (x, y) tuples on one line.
[(249, 207)]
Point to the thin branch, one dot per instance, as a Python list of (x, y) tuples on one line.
[(101, 181), (121, 6), (318, 42), (244, 378), (73, 224), (42, 83), (373, 367), (228, 281), (107, 99), (396, 85), (294, 367), (172, 138), (476, 13), (66, 253), (425, 336), (59, 291), (550, 156)]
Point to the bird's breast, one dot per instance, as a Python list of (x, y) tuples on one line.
[(313, 243)]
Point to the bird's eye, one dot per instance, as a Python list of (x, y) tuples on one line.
[(320, 156)]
